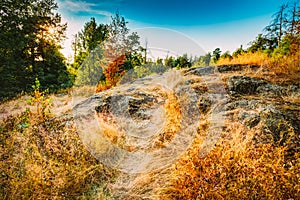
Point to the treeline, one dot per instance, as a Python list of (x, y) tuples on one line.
[(104, 53), (31, 33)]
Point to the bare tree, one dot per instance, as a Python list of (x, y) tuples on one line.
[(278, 25)]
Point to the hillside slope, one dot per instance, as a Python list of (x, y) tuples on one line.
[(160, 130), (225, 132)]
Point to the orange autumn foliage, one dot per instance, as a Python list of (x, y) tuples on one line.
[(113, 72)]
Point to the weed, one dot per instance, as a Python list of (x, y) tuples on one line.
[(41, 101)]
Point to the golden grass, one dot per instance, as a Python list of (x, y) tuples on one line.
[(41, 159), (237, 168), (286, 68), (173, 119), (46, 161), (116, 136), (248, 58)]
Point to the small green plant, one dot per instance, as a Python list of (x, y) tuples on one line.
[(41, 101)]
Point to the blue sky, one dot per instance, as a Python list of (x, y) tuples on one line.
[(181, 24)]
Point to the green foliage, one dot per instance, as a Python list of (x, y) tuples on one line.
[(277, 27), (216, 54), (226, 55), (99, 49), (132, 60), (179, 62), (285, 23), (30, 36), (148, 69), (87, 40), (206, 59), (238, 52), (261, 43), (170, 62), (183, 62), (91, 70), (41, 101)]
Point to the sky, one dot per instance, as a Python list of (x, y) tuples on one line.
[(178, 26)]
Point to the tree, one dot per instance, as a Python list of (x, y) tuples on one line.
[(183, 61), (28, 31), (170, 62), (87, 40), (278, 25), (283, 30), (238, 52), (207, 58), (226, 55), (103, 53), (120, 40), (262, 43), (292, 39), (216, 54), (293, 21), (121, 44)]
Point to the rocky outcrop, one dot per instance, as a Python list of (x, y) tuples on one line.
[(144, 103), (161, 114)]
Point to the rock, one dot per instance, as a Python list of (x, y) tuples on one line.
[(245, 104), (244, 85), (201, 71), (271, 90), (156, 118), (275, 123), (235, 67), (250, 119), (204, 104), (230, 68)]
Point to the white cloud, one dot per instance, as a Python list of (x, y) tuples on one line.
[(77, 6), (74, 7)]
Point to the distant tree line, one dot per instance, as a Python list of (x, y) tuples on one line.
[(103, 53), (281, 36), (31, 33)]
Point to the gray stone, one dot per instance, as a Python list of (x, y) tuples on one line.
[(244, 85)]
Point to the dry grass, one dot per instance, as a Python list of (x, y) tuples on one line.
[(285, 68), (60, 103), (111, 129), (46, 160), (173, 119), (248, 58), (43, 157), (237, 168)]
